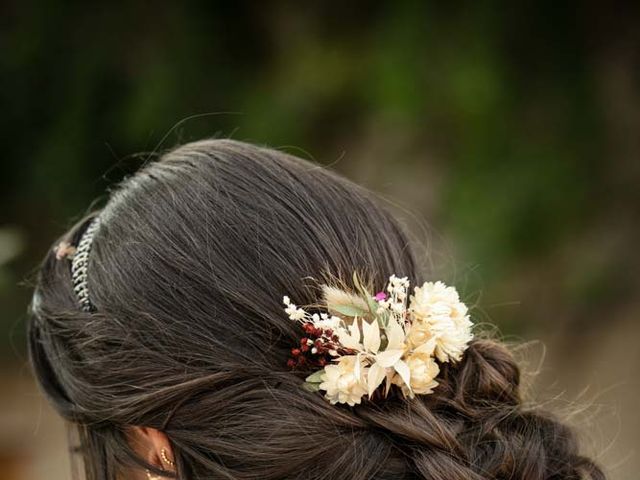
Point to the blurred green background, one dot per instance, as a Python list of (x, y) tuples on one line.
[(511, 129)]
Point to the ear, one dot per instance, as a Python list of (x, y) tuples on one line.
[(153, 446)]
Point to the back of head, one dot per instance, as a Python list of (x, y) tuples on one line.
[(187, 335)]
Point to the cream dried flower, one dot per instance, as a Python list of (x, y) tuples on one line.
[(423, 371), (344, 381), (419, 333), (437, 310)]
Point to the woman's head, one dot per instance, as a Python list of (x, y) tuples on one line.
[(187, 335)]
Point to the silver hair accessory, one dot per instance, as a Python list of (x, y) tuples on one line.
[(79, 264)]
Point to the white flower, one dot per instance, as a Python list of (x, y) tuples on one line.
[(437, 311), (423, 371), (326, 321), (396, 301), (344, 382), (451, 339), (398, 308), (292, 310), (295, 313), (397, 283)]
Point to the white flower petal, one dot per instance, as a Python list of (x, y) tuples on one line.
[(404, 372), (390, 375), (376, 375), (395, 334), (371, 336), (354, 331), (350, 338), (388, 358)]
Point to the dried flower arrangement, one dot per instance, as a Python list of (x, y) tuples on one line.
[(365, 343)]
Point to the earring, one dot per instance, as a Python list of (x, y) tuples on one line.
[(152, 477), (166, 459)]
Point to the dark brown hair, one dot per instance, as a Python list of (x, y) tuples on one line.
[(188, 335)]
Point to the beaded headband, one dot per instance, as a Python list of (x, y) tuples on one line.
[(79, 264)]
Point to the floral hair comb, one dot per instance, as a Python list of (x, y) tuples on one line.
[(365, 344)]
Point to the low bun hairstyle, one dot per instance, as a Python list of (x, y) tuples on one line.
[(188, 336)]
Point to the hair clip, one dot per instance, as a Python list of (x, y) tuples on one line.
[(364, 342), (79, 264)]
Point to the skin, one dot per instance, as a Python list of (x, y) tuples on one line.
[(148, 444)]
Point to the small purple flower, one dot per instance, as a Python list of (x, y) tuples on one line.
[(380, 297)]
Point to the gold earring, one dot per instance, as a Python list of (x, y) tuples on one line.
[(166, 459), (152, 477)]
